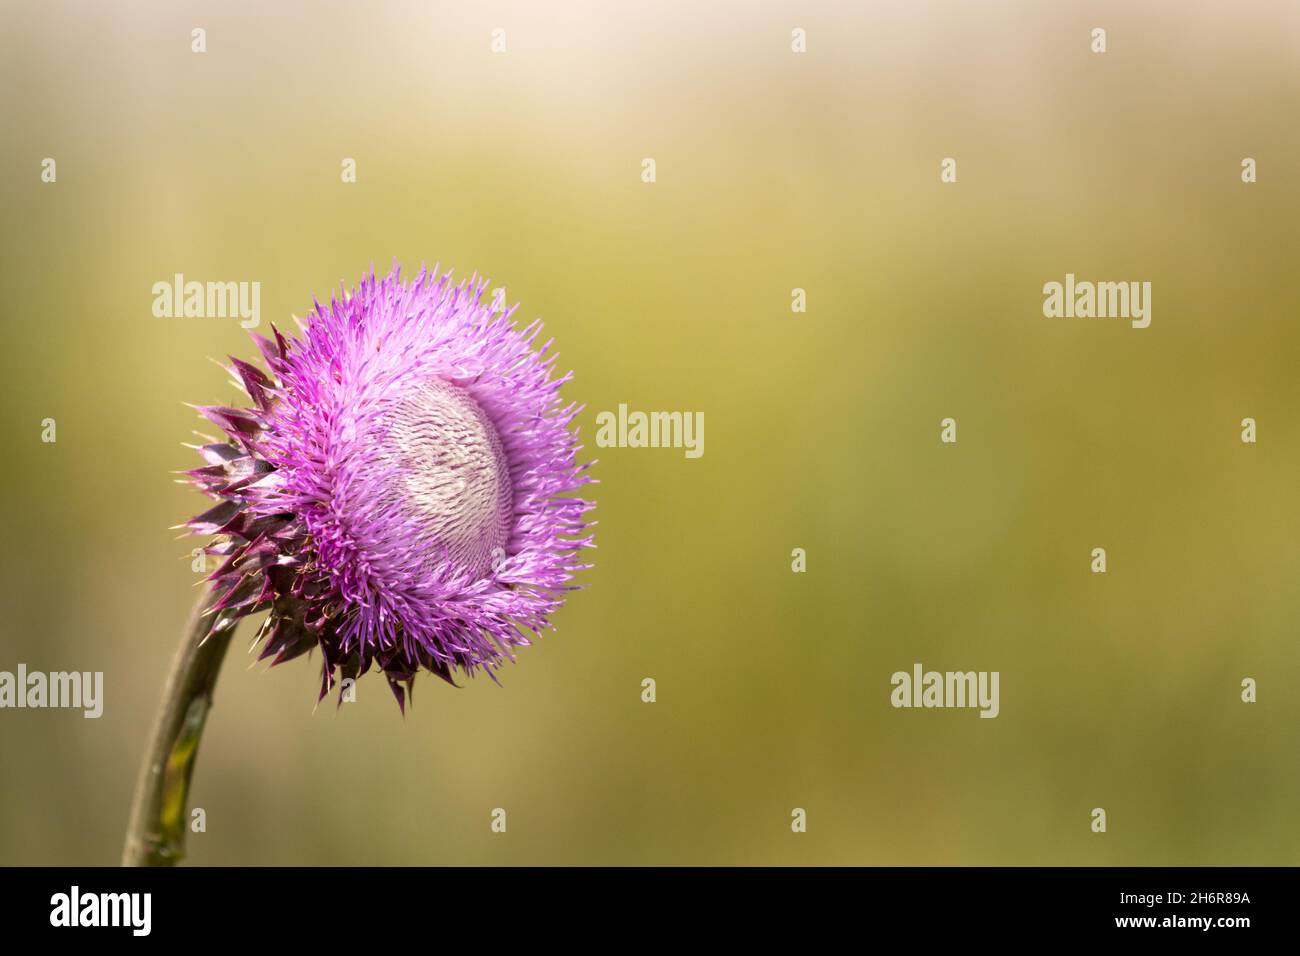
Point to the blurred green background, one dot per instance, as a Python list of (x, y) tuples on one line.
[(775, 171)]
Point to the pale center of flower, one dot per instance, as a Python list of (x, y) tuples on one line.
[(451, 476)]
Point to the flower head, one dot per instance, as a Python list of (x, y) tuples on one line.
[(398, 492)]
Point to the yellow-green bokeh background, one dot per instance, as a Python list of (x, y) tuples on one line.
[(774, 171)]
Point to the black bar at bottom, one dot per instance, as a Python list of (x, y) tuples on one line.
[(212, 906)]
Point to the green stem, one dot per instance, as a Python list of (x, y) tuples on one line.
[(156, 834)]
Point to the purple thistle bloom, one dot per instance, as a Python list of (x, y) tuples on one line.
[(398, 492)]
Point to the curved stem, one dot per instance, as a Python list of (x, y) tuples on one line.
[(156, 834)]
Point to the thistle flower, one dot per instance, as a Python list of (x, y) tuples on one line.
[(397, 493)]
